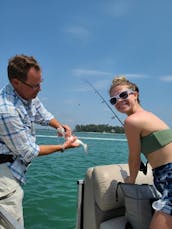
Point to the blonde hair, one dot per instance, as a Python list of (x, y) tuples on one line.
[(122, 80)]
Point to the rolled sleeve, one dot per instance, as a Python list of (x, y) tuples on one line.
[(43, 116), (17, 138)]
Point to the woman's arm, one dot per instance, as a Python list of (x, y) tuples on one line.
[(133, 136)]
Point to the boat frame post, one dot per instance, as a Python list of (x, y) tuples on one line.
[(80, 204)]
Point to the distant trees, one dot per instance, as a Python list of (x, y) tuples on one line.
[(99, 128)]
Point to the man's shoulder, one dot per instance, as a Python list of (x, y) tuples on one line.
[(7, 100)]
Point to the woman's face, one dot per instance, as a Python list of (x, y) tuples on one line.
[(124, 99)]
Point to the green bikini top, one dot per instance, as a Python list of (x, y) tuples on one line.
[(155, 141)]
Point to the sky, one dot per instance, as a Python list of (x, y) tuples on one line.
[(94, 40)]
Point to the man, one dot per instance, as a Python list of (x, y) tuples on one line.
[(20, 108)]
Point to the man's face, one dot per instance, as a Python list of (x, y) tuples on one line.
[(30, 88)]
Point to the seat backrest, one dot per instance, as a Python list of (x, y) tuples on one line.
[(100, 185)]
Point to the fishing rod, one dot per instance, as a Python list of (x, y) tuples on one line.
[(143, 167), (104, 101)]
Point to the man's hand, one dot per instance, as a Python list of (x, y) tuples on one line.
[(64, 131), (71, 143), (68, 131), (129, 180)]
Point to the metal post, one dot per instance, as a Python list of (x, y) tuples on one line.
[(79, 220)]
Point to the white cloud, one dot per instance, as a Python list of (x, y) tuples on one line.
[(135, 76), (86, 72), (102, 84), (166, 78), (78, 32), (98, 85)]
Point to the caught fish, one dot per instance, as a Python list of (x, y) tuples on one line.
[(85, 146)]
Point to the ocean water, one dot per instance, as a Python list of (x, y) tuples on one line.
[(50, 199)]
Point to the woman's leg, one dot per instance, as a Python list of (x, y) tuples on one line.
[(161, 220)]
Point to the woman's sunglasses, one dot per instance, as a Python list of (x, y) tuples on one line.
[(122, 95)]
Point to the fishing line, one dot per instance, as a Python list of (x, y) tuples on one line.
[(143, 167), (104, 101)]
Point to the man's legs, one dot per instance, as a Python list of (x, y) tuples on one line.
[(11, 195)]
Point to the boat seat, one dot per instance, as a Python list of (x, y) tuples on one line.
[(101, 210), (118, 223)]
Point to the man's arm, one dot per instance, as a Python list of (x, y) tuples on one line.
[(44, 117), (55, 124)]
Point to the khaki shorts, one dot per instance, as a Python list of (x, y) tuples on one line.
[(11, 195)]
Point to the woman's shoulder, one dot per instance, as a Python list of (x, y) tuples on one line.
[(146, 121), (138, 119), (137, 116)]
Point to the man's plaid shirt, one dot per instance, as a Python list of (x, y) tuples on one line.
[(17, 133)]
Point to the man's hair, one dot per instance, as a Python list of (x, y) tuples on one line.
[(19, 65)]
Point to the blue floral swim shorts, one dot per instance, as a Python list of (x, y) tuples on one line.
[(163, 183)]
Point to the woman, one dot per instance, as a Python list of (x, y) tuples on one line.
[(148, 134)]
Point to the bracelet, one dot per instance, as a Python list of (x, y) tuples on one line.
[(62, 149)]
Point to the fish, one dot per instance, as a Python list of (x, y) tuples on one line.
[(61, 131)]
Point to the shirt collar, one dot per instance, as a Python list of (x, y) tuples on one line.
[(24, 101)]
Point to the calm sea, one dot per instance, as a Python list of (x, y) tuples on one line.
[(50, 199)]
